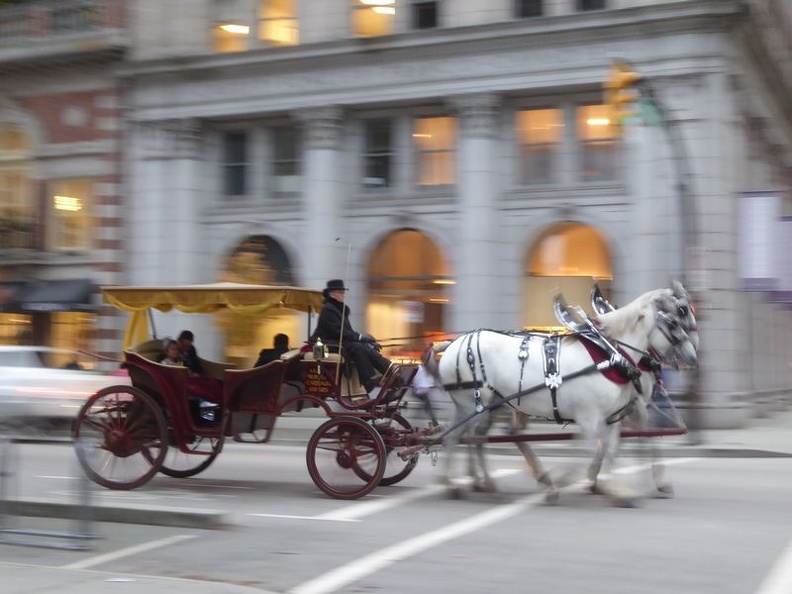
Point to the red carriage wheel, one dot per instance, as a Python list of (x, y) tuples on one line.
[(201, 452), (120, 437), (346, 457)]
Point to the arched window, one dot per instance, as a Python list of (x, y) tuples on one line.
[(567, 258), (259, 260), (408, 280)]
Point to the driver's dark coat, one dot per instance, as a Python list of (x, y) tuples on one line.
[(328, 327)]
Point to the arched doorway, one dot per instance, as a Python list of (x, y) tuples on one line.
[(260, 260), (567, 258), (408, 281)]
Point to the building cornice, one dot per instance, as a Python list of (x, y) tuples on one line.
[(608, 25)]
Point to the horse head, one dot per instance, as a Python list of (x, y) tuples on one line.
[(676, 323)]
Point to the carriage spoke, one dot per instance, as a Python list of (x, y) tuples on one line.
[(346, 458)]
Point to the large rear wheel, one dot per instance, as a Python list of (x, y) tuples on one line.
[(201, 452), (120, 437), (346, 458)]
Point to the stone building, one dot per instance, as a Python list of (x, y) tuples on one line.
[(454, 161), (60, 203)]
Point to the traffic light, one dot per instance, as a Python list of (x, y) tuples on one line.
[(621, 93)]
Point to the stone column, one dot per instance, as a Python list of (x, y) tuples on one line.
[(164, 245), (324, 242), (476, 266)]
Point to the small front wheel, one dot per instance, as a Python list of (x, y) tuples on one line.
[(346, 458), (120, 437)]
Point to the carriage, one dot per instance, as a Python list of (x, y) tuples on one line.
[(155, 425)]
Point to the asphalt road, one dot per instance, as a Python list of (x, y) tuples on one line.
[(728, 530)]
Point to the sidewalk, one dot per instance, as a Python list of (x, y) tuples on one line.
[(25, 579)]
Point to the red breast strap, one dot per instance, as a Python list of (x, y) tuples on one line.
[(615, 374)]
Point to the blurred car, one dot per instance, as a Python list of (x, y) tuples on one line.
[(47, 384)]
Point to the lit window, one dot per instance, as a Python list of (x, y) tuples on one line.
[(235, 164), (17, 211), (371, 18), (278, 22), (424, 14), (286, 160), (528, 8), (539, 136), (584, 5), (378, 153), (599, 152), (231, 29), (71, 203), (435, 139)]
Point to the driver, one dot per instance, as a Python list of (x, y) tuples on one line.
[(362, 348)]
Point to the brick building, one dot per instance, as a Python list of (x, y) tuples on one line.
[(60, 171)]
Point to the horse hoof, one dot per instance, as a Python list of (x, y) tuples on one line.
[(454, 493), (484, 487), (664, 492), (551, 497)]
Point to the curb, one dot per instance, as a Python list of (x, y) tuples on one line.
[(133, 514)]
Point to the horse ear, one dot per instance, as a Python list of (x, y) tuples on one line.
[(679, 290)]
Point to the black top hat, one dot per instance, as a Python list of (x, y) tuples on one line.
[(335, 284)]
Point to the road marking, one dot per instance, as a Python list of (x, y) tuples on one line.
[(288, 517), (779, 580), (129, 551), (647, 465), (334, 580), (368, 508)]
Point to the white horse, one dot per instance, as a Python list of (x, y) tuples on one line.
[(485, 368), (650, 383)]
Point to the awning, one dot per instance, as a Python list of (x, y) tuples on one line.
[(56, 295)]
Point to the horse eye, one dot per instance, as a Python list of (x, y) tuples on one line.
[(683, 310)]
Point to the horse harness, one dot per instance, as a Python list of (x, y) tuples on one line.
[(551, 348)]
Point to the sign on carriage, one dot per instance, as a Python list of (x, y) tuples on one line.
[(757, 217)]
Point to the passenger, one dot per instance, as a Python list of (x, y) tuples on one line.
[(171, 354), (280, 346), (362, 348), (205, 388), (189, 355)]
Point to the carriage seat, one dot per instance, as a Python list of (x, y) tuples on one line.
[(150, 349)]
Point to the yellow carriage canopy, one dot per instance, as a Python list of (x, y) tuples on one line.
[(205, 298)]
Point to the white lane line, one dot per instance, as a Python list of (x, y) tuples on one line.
[(354, 513), (647, 465), (288, 517), (334, 580), (779, 580), (127, 552)]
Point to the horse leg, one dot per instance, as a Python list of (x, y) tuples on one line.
[(598, 438), (519, 424), (482, 480), (451, 444), (661, 488), (604, 453)]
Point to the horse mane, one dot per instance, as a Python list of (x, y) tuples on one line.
[(620, 321)]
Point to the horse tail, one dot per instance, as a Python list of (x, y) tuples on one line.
[(430, 359)]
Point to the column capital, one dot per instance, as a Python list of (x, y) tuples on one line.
[(478, 113), (322, 126)]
